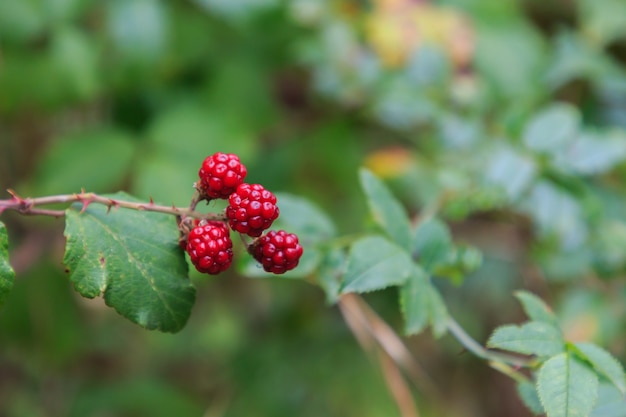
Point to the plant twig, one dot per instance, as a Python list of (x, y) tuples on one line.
[(390, 342), (398, 386), (29, 206), (394, 379), (477, 349)]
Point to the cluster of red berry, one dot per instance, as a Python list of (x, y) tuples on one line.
[(251, 210)]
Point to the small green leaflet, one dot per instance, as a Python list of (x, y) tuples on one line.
[(603, 363), (134, 260), (422, 304), (531, 338), (536, 309), (550, 129), (432, 243), (567, 387), (528, 393), (7, 275), (386, 209), (375, 263)]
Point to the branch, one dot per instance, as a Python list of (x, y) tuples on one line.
[(353, 306), (29, 206), (362, 330), (477, 349)]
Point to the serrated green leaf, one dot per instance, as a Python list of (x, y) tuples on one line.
[(432, 243), (386, 209), (134, 260), (437, 311), (604, 363), (300, 216), (532, 338), (536, 309), (567, 387), (7, 275), (528, 393), (375, 263), (422, 304), (414, 301), (552, 128)]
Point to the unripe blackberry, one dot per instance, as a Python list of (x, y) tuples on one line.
[(277, 251), (220, 175), (251, 209), (210, 248)]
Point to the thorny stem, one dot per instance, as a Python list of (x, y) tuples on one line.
[(29, 206)]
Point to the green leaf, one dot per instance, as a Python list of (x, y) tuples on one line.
[(532, 338), (575, 56), (7, 275), (414, 301), (510, 170), (386, 209), (300, 216), (375, 263), (432, 243), (528, 393), (134, 260), (422, 304), (97, 161), (604, 364), (567, 387), (552, 128), (558, 213), (509, 54), (611, 402), (437, 311), (593, 153), (536, 309)]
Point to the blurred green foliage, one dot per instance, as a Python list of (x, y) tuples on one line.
[(507, 118)]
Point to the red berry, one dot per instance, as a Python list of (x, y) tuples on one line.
[(277, 251), (220, 175), (210, 248), (251, 209)]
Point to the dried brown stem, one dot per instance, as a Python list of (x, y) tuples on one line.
[(394, 378), (29, 206), (354, 308)]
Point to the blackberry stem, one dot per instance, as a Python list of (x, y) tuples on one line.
[(30, 206)]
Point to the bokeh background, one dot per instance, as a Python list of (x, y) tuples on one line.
[(506, 117)]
